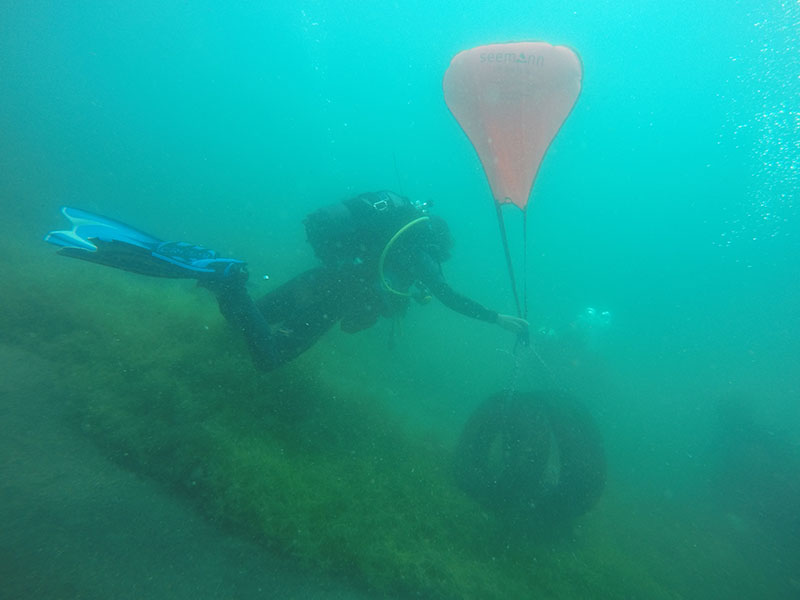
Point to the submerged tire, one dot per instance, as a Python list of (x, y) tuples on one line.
[(531, 454)]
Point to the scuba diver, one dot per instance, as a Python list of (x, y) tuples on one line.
[(377, 251)]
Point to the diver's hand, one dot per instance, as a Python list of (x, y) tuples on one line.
[(513, 324)]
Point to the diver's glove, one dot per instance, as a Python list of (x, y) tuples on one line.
[(107, 242), (517, 326), (513, 324)]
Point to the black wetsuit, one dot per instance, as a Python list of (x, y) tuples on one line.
[(289, 320)]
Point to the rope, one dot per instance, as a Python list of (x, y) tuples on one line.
[(525, 264), (510, 265)]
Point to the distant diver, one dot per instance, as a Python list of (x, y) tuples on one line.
[(377, 251)]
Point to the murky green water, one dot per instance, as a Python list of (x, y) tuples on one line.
[(668, 199)]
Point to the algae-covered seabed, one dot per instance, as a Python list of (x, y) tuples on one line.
[(317, 469)]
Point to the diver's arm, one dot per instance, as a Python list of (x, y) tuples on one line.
[(433, 279), (429, 273), (458, 302)]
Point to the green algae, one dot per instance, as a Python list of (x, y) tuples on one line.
[(306, 464)]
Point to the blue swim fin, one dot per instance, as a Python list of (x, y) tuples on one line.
[(107, 242)]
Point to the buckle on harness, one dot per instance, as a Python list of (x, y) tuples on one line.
[(382, 204)]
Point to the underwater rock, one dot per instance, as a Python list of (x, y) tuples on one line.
[(532, 456)]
